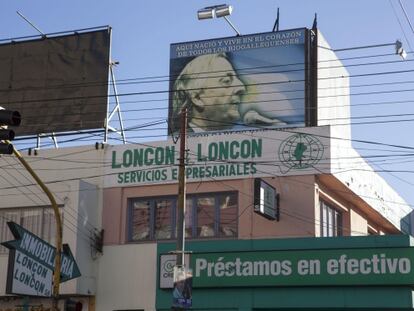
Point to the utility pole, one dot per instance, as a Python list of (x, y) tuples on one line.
[(181, 298), (182, 190)]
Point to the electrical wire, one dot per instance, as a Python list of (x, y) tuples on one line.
[(171, 77)]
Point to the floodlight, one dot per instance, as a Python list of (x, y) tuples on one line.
[(224, 10), (205, 13), (221, 10), (399, 50)]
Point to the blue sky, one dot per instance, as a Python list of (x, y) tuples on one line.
[(143, 31)]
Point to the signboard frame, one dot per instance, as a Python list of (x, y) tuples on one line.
[(184, 50), (60, 83), (40, 252)]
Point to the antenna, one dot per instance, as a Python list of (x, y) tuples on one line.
[(276, 25), (315, 22), (31, 24)]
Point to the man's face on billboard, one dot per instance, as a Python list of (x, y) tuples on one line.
[(220, 95)]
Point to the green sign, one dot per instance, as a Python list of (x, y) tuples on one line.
[(221, 156), (375, 266)]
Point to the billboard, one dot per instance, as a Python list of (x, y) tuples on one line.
[(238, 83), (310, 267), (57, 83), (236, 155), (32, 262)]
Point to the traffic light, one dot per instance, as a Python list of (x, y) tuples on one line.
[(7, 117), (73, 305)]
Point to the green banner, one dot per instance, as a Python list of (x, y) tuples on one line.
[(376, 266)]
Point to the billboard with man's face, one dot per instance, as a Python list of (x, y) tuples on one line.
[(239, 83)]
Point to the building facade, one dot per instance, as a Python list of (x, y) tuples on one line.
[(335, 240)]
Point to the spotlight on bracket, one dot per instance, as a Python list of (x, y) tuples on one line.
[(217, 11)]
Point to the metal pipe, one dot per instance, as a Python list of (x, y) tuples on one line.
[(231, 25), (56, 273)]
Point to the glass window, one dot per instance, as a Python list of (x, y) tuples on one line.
[(39, 221), (207, 216), (331, 221), (163, 219), (206, 208), (32, 220), (141, 220), (49, 225), (228, 215)]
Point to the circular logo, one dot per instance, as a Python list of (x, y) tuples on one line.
[(301, 151), (169, 265)]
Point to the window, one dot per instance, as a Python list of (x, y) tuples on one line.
[(331, 221), (39, 221), (211, 215)]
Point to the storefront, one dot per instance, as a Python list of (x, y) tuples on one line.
[(343, 273)]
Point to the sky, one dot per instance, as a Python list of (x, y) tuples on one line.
[(142, 32)]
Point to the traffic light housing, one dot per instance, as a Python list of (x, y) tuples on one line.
[(7, 118)]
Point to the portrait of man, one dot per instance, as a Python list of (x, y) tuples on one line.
[(210, 88), (231, 84)]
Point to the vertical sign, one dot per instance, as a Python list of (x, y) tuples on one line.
[(264, 199), (182, 292)]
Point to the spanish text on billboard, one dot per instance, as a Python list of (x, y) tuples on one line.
[(239, 83)]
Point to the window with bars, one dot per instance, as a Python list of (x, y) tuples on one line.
[(39, 221), (209, 215), (331, 220)]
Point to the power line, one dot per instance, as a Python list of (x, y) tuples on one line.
[(399, 22), (205, 88), (169, 78)]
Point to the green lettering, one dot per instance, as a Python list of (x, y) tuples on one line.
[(212, 151), (256, 148), (127, 158), (222, 170), (114, 164), (147, 160), (224, 150), (195, 172), (126, 178), (200, 157), (159, 156), (234, 149), (174, 174), (245, 149), (120, 179), (170, 155), (138, 157), (134, 176)]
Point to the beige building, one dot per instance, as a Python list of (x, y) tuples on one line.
[(130, 192)]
